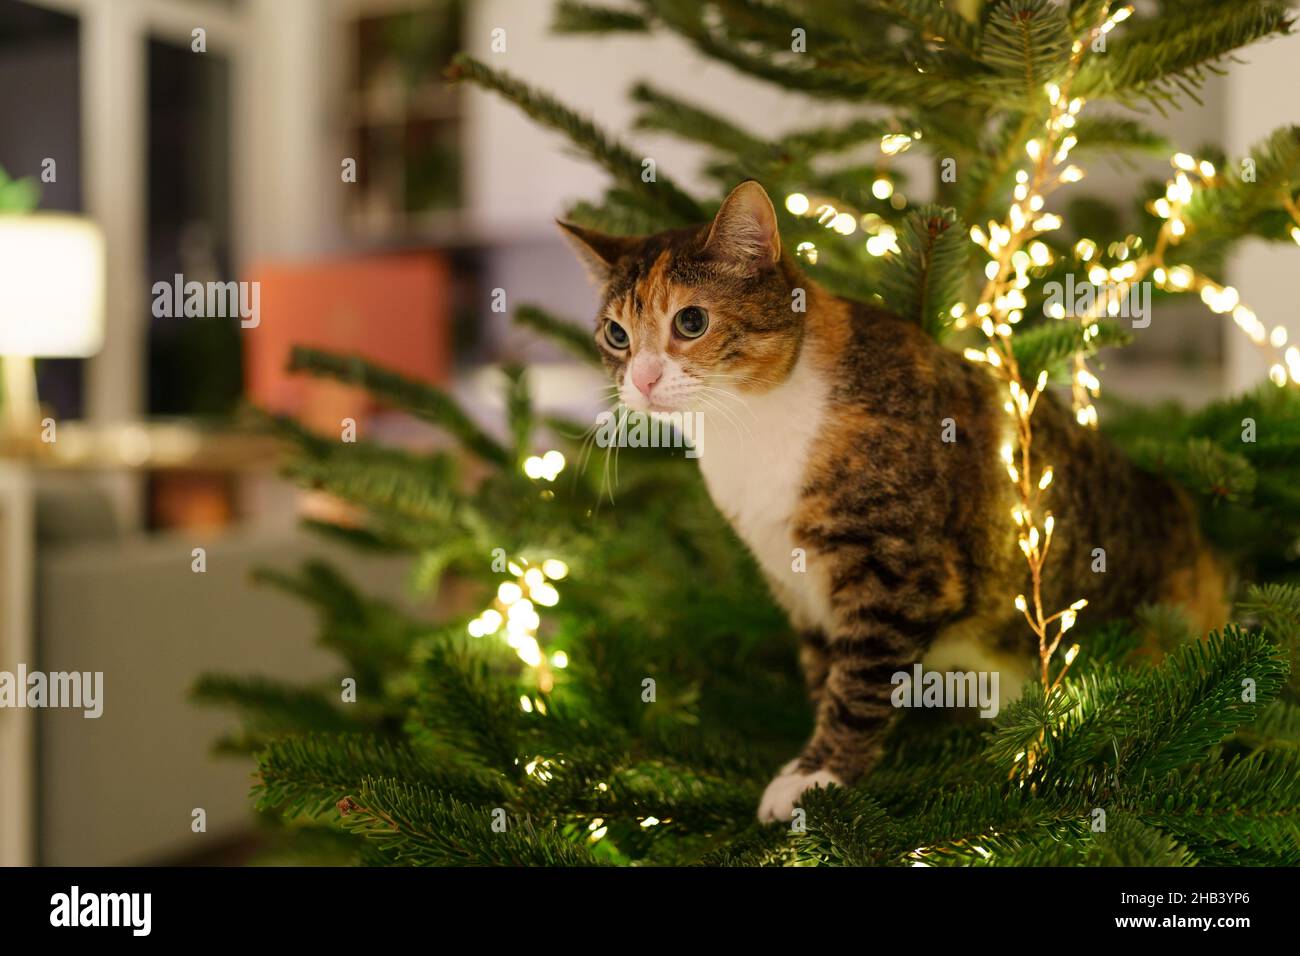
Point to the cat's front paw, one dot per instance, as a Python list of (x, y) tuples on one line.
[(783, 793)]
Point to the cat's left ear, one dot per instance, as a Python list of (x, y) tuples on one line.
[(597, 250), (744, 231)]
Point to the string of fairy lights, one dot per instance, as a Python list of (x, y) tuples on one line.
[(513, 613), (1016, 252)]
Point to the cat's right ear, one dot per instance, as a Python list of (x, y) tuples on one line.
[(597, 250), (744, 233)]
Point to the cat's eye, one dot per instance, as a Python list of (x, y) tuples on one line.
[(691, 322), (616, 335)]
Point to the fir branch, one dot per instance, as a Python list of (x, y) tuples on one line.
[(413, 825), (462, 702), (270, 705), (1053, 343), (1235, 204), (1278, 727), (619, 215), (573, 16), (923, 279), (663, 112), (846, 828), (1241, 811), (1146, 59), (841, 71), (421, 400), (936, 24), (308, 775), (1200, 465), (567, 334), (1277, 607), (1027, 43), (1197, 696), (1112, 133), (519, 411), (619, 161)]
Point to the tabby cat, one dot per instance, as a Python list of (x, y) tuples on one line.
[(883, 541)]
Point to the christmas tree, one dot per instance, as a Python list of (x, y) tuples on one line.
[(627, 685)]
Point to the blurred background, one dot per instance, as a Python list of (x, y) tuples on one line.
[(229, 155)]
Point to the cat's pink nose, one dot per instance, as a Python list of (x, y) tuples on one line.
[(646, 371)]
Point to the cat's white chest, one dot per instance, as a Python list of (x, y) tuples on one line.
[(754, 462)]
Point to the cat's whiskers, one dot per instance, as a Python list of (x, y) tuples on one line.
[(623, 413), (711, 397), (607, 393)]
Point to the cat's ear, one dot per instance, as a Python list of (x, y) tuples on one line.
[(597, 250), (744, 231)]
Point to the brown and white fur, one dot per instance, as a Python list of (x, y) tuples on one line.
[(825, 439)]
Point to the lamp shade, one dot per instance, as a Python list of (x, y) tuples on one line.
[(51, 286)]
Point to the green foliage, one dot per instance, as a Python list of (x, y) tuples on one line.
[(458, 752), (441, 743), (1238, 458), (1242, 204), (18, 195), (1027, 44), (1149, 60), (925, 276), (572, 16), (1051, 344), (619, 161), (574, 339)]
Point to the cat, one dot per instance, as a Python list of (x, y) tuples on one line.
[(883, 542)]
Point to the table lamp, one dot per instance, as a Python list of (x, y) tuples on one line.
[(51, 305)]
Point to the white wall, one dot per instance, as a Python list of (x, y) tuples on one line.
[(1262, 97)]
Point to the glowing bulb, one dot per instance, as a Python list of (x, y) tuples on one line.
[(509, 592), (554, 463), (534, 577), (529, 652), (797, 203), (555, 569), (882, 189), (894, 143), (545, 595)]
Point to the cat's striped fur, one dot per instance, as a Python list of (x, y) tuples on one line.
[(829, 439)]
